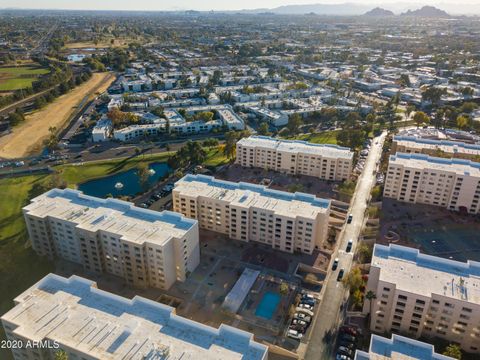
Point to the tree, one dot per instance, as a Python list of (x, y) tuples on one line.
[(409, 110), (420, 117), (294, 123), (143, 174), (353, 280), (433, 94), (364, 253), (357, 297), (230, 144), (283, 289), (211, 142), (370, 296), (454, 351), (462, 121), (263, 128), (61, 355), (51, 142)]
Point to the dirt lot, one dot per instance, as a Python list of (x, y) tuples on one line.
[(28, 137)]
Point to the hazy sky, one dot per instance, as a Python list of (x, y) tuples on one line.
[(197, 4)]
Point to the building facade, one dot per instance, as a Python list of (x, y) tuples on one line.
[(145, 247), (248, 212), (434, 147), (399, 348), (73, 315), (424, 296), (324, 161), (450, 183)]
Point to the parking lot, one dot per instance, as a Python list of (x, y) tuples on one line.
[(434, 230)]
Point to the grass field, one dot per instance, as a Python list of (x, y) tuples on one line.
[(216, 157), (19, 77), (28, 137), (325, 137)]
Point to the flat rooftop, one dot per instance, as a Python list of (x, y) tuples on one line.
[(116, 216), (421, 161), (77, 314), (425, 275), (444, 145), (399, 348), (247, 195), (297, 146)]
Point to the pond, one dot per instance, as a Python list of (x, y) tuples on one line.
[(129, 180)]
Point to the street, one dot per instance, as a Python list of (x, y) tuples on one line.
[(335, 294)]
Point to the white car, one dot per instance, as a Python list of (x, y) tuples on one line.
[(294, 334), (305, 306)]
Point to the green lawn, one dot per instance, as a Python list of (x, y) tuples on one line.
[(324, 137), (215, 157), (19, 77)]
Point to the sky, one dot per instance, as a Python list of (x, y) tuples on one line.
[(199, 4)]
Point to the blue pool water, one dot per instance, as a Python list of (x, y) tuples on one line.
[(131, 183), (268, 305)]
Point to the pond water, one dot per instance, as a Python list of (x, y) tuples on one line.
[(129, 179)]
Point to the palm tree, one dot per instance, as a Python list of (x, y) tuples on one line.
[(370, 295)]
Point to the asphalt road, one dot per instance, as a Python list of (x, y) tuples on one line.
[(335, 295)]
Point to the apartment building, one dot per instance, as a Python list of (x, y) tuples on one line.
[(249, 212), (434, 147), (424, 296), (145, 247), (91, 324), (325, 161), (399, 348), (418, 178)]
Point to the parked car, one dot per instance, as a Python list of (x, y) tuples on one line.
[(345, 351), (308, 302), (300, 322), (347, 344), (349, 218), (302, 316), (349, 245), (305, 306), (335, 264), (348, 330), (300, 328), (304, 310), (348, 338), (294, 334), (342, 357), (340, 274)]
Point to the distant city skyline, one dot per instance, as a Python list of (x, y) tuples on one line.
[(217, 5)]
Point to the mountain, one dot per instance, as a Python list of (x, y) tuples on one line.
[(427, 11), (345, 9), (379, 12)]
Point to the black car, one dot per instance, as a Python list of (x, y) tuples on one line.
[(349, 245), (348, 338), (350, 218), (340, 274)]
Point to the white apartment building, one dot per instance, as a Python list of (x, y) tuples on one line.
[(418, 178), (325, 161), (91, 324), (399, 348), (416, 145), (422, 295), (145, 247), (249, 212)]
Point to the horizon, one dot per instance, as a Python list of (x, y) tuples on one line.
[(215, 5)]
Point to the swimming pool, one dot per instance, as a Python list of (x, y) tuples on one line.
[(268, 305)]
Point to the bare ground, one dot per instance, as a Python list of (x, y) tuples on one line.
[(29, 136)]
